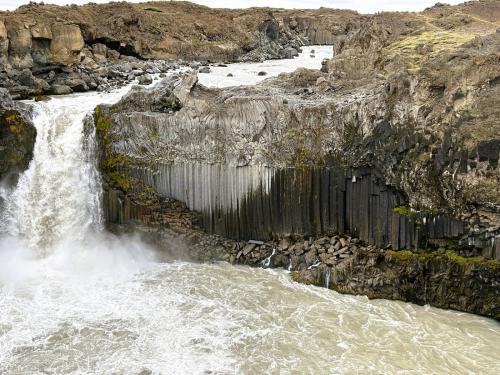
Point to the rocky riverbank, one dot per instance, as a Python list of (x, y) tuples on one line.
[(453, 279)]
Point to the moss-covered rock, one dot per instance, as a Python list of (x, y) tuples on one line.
[(17, 140), (440, 278)]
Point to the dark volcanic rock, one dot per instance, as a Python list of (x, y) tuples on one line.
[(439, 278), (17, 137)]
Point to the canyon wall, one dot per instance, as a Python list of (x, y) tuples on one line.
[(297, 155), (398, 133), (38, 35)]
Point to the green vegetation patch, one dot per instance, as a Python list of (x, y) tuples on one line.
[(443, 255), (418, 48), (404, 211)]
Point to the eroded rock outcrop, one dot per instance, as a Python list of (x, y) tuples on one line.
[(41, 34), (83, 43), (17, 138)]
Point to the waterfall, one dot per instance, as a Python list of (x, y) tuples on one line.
[(58, 197)]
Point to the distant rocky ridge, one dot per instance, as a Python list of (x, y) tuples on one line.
[(47, 49)]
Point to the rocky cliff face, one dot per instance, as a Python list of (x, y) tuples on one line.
[(46, 49), (394, 142), (17, 138), (388, 157), (40, 35)]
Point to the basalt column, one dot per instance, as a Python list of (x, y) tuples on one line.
[(258, 202)]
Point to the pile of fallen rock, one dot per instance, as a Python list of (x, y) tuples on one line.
[(63, 80), (296, 253)]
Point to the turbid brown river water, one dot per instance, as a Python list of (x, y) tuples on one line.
[(75, 300)]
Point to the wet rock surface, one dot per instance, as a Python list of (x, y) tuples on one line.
[(17, 138)]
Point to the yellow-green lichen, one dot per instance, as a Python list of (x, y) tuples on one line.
[(111, 164), (441, 254), (15, 123), (418, 48), (121, 180), (404, 211)]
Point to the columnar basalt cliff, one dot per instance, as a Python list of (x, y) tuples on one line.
[(394, 142), (265, 161)]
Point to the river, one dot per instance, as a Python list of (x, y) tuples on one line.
[(77, 300)]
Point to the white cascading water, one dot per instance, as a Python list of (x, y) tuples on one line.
[(58, 197), (76, 300)]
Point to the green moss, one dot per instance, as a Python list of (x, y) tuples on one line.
[(411, 256), (432, 43), (303, 155), (403, 211), (14, 122), (441, 254), (110, 164), (121, 180), (296, 276)]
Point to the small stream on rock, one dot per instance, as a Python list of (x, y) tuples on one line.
[(77, 300)]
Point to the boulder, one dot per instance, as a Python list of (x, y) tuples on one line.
[(77, 84), (291, 52), (26, 78), (112, 54), (100, 59), (61, 90), (204, 69), (262, 74), (30, 85), (100, 49), (145, 80), (66, 44), (249, 248), (19, 45)]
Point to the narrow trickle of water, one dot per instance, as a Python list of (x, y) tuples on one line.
[(266, 262), (327, 277)]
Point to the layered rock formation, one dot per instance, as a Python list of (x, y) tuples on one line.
[(40, 34), (276, 159), (46, 49)]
